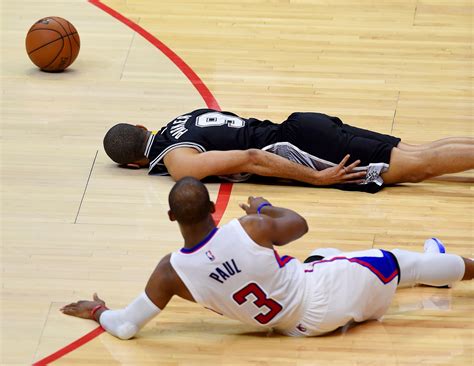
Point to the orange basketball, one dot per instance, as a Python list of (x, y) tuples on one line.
[(52, 44)]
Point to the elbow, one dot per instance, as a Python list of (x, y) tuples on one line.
[(180, 175), (253, 156), (177, 176), (126, 331), (304, 226), (255, 162)]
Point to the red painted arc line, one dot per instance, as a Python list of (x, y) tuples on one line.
[(225, 189), (178, 61), (222, 200)]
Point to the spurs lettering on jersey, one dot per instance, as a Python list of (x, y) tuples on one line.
[(177, 127)]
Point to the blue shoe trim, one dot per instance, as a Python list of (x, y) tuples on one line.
[(441, 247)]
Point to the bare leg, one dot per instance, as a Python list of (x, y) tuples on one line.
[(469, 270), (437, 143), (418, 165)]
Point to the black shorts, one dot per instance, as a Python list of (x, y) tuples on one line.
[(328, 139)]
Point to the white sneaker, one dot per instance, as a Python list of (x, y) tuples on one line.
[(434, 245)]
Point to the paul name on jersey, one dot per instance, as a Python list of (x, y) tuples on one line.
[(228, 269)]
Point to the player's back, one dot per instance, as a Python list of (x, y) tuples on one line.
[(231, 274), (208, 130)]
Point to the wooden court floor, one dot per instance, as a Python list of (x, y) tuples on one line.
[(73, 223)]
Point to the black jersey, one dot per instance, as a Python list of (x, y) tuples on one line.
[(315, 140), (208, 130)]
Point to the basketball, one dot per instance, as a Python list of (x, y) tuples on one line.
[(52, 43)]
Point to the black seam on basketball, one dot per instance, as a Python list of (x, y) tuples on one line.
[(72, 33), (70, 51), (48, 29), (70, 45), (66, 36), (69, 26), (74, 38), (36, 49), (62, 26), (54, 59)]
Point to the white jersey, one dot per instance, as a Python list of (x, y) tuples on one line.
[(232, 275)]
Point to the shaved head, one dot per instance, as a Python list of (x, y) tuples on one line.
[(125, 143), (189, 201)]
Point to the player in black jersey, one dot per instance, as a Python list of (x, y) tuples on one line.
[(308, 147)]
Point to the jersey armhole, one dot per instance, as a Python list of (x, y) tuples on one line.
[(185, 279), (161, 156), (248, 239)]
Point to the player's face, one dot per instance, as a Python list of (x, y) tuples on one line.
[(142, 163)]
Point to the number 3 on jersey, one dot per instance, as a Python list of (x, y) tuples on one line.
[(240, 297), (212, 119)]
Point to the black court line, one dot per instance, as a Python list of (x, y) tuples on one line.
[(43, 328), (87, 184), (414, 14), (128, 53), (395, 112)]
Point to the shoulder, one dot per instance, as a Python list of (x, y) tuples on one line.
[(259, 228), (164, 264), (164, 272)]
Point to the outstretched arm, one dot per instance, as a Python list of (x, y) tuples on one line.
[(268, 225), (183, 162), (125, 323)]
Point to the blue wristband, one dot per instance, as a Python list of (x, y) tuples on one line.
[(262, 205)]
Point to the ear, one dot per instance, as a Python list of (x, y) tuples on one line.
[(142, 127), (171, 216), (213, 207)]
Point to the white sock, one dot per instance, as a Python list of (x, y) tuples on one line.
[(433, 269)]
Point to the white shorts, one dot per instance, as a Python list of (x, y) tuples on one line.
[(350, 286)]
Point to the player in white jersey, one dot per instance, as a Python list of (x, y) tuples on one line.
[(234, 270)]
